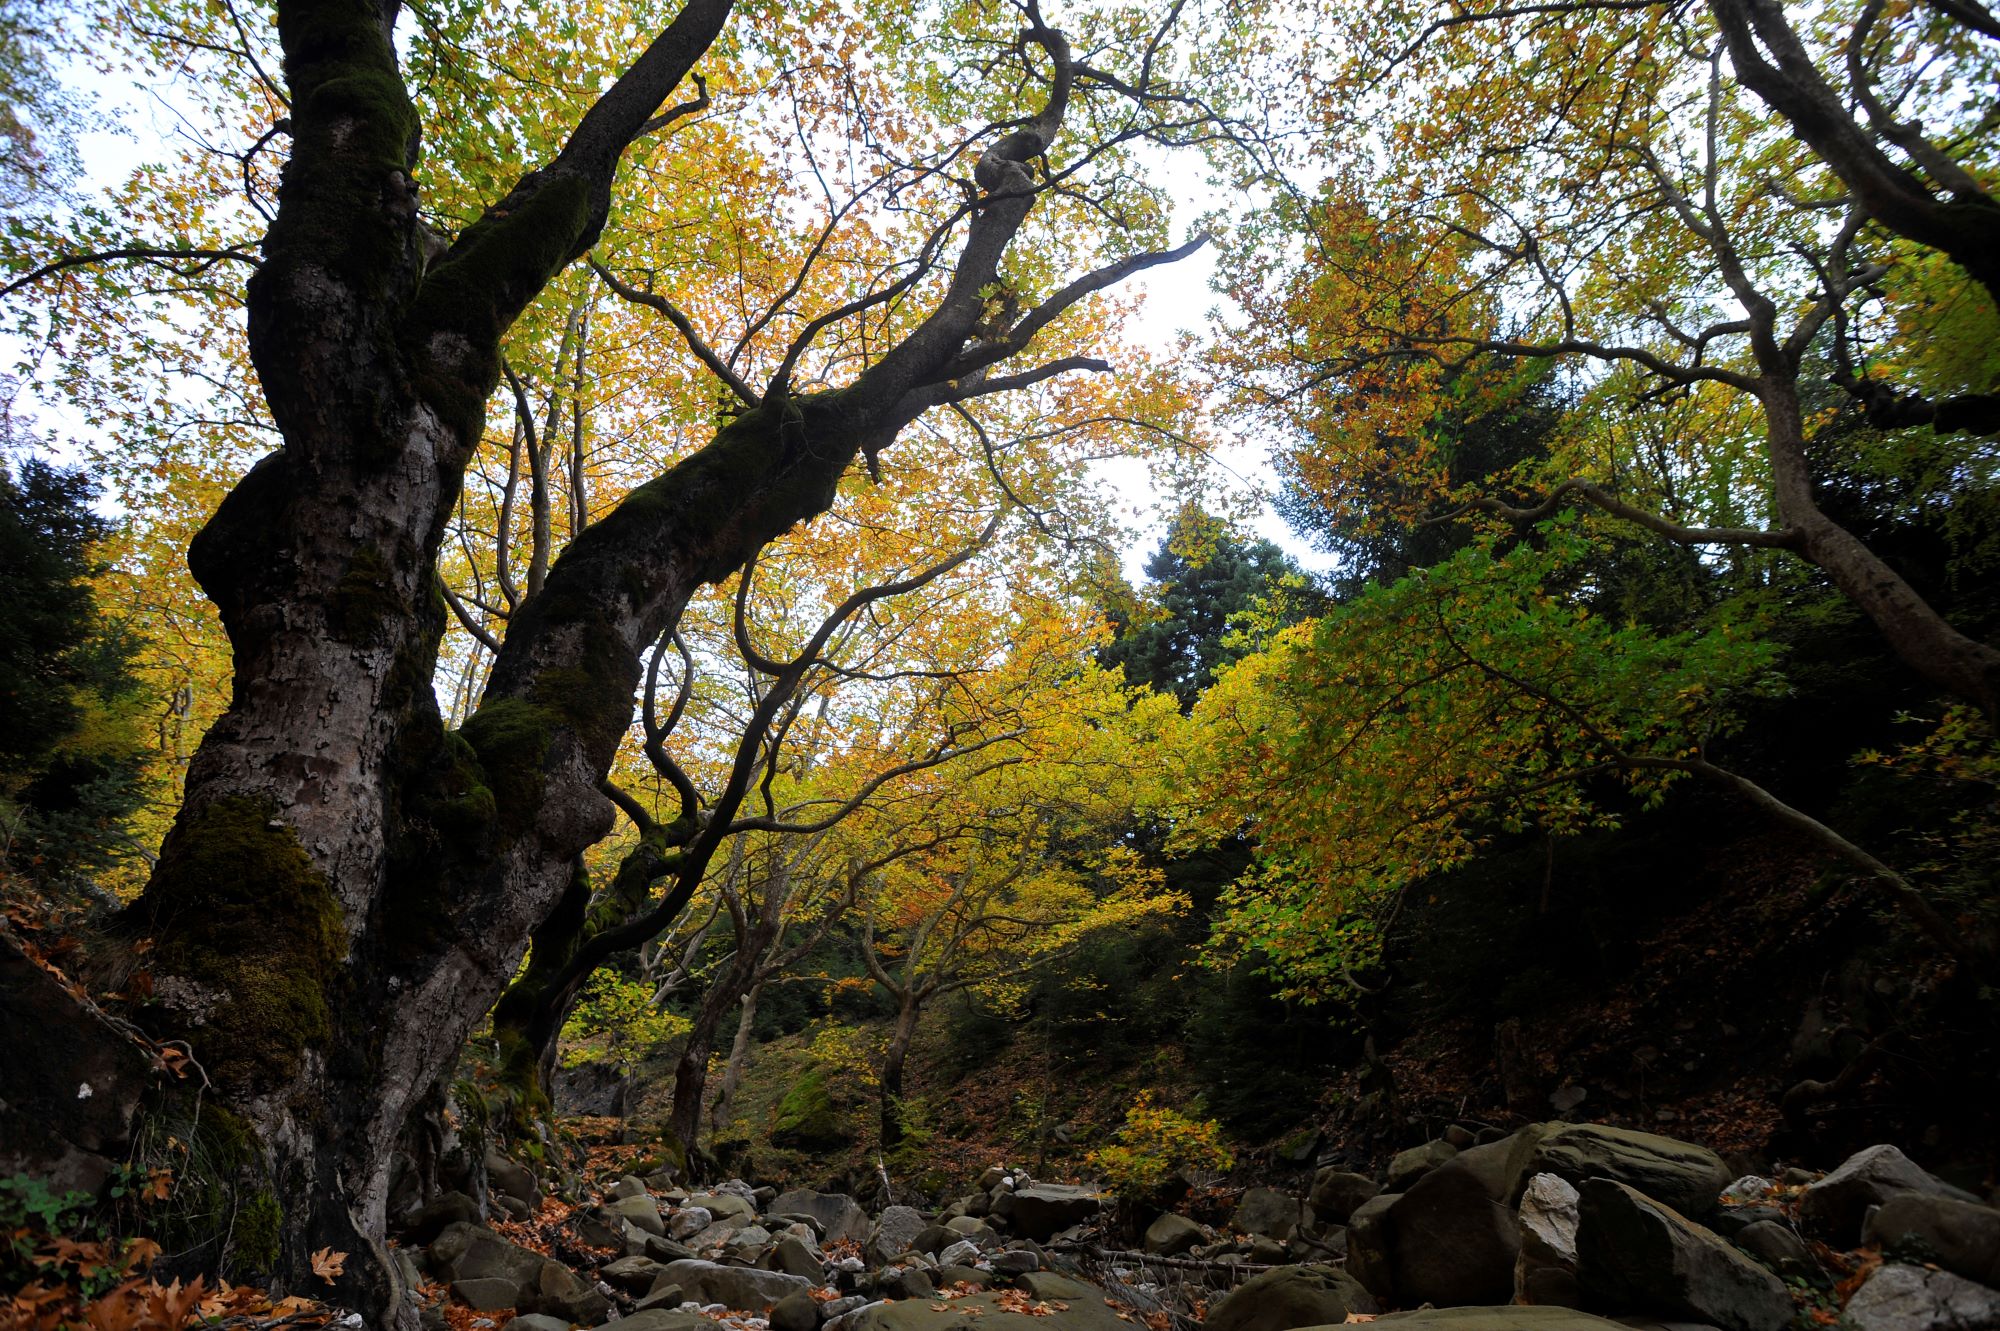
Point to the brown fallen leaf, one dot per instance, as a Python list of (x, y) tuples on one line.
[(327, 1263)]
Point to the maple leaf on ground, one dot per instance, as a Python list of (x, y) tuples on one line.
[(327, 1263)]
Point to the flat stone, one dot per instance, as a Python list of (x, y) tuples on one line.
[(742, 1287), (485, 1293), (1495, 1319), (663, 1319), (894, 1234), (1685, 1178), (536, 1322), (835, 1214), (1037, 1212)]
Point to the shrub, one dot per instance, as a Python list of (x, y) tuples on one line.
[(1154, 1142)]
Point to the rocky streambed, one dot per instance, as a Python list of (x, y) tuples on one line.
[(1554, 1227)]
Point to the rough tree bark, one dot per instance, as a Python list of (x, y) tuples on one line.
[(348, 885)]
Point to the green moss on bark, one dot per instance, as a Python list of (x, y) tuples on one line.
[(240, 910), (510, 737), (365, 598)]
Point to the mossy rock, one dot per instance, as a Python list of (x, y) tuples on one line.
[(807, 1118)]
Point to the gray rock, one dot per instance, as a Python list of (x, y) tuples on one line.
[(1171, 1235), (663, 1294), (1684, 1177), (835, 1214), (971, 1227), (1638, 1254), (690, 1221), (1269, 1212), (1502, 1166), (1961, 1237), (467, 1252), (792, 1256), (1267, 1251), (1368, 1245), (1450, 1244), (1039, 1210), (1049, 1285), (795, 1312), (1496, 1319), (742, 1287), (1545, 1270), (1016, 1261), (1291, 1296), (985, 1312), (1750, 1190), (963, 1252), (1335, 1193), (664, 1319), (485, 1293), (947, 1276), (1409, 1166), (894, 1234), (1835, 1207), (640, 1211), (535, 1322), (627, 1186), (449, 1209), (634, 1275), (509, 1177), (905, 1282), (1910, 1298), (724, 1205), (1777, 1247)]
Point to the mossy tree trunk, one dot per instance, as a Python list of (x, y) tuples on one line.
[(894, 1058), (348, 885)]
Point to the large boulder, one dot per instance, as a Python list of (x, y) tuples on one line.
[(894, 1234), (1545, 1270), (1641, 1256), (1336, 1192), (836, 1215), (1042, 1210), (743, 1287), (1684, 1177), (1291, 1296), (1267, 1211), (1368, 1253), (1502, 1165), (1495, 1319), (1834, 1208), (1911, 1298), (663, 1319), (464, 1253), (1962, 1237), (1450, 1244)]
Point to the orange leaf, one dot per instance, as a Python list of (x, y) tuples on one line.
[(327, 1263)]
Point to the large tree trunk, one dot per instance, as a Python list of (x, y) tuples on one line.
[(347, 885)]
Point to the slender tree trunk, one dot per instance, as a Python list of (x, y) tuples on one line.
[(893, 1059), (739, 1058), (691, 1072)]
